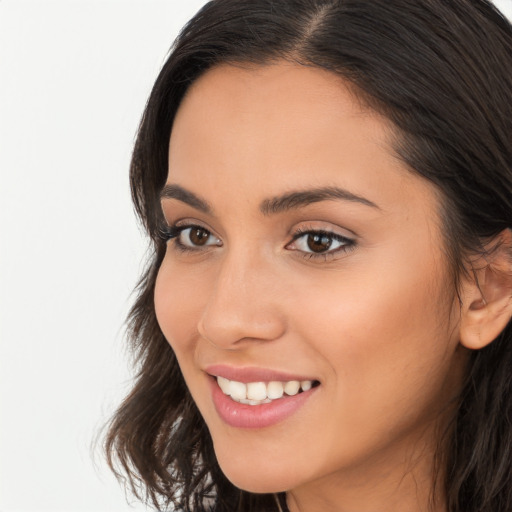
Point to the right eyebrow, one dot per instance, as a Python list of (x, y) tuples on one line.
[(172, 191)]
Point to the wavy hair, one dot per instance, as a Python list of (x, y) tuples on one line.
[(441, 72)]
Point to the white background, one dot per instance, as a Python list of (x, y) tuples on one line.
[(74, 78)]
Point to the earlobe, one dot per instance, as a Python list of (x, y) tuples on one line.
[(487, 295)]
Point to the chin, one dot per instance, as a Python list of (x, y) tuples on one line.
[(257, 484), (256, 476)]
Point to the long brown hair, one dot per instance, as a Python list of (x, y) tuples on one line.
[(441, 71)]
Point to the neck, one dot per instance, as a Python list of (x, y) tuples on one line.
[(397, 480)]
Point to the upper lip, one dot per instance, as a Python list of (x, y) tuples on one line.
[(253, 374)]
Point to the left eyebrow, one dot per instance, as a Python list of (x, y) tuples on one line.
[(298, 199)]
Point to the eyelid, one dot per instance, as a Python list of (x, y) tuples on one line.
[(325, 227), (172, 232), (182, 224), (171, 236), (183, 229), (332, 234), (348, 243)]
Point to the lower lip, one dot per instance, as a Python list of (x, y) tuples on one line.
[(256, 416)]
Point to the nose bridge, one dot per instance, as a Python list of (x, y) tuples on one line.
[(241, 304), (238, 270)]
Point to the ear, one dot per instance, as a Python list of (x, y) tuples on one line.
[(487, 294)]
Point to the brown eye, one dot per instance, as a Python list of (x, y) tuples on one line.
[(199, 236), (319, 242), (196, 236)]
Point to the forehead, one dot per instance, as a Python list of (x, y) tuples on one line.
[(256, 131), (289, 82), (281, 100)]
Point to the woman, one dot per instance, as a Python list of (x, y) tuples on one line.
[(325, 322)]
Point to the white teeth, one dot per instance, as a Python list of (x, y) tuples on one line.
[(255, 402), (292, 388), (306, 385), (256, 393), (237, 390), (223, 384), (275, 390)]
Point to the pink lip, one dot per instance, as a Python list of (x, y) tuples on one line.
[(253, 374), (257, 416)]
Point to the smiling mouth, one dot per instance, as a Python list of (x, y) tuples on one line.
[(258, 393)]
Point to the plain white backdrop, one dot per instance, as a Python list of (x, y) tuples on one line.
[(74, 78)]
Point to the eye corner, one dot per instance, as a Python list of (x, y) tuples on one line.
[(191, 237), (165, 232)]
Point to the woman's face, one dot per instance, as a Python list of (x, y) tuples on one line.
[(301, 249)]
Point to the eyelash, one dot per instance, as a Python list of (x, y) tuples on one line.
[(347, 243), (168, 233)]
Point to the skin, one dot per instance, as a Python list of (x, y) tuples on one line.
[(376, 324)]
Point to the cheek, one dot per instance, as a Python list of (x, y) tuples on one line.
[(371, 330), (178, 306), (382, 330)]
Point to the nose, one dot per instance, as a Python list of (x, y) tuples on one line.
[(244, 304)]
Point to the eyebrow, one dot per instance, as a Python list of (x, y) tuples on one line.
[(278, 204), (185, 196), (294, 200)]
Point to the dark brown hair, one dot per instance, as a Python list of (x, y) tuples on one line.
[(441, 71)]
